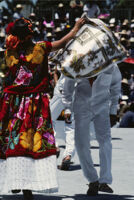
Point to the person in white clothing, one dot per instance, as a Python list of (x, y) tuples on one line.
[(91, 9), (104, 103), (95, 101), (56, 107)]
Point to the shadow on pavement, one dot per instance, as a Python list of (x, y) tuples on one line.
[(62, 146), (74, 167), (96, 165), (115, 138), (94, 147), (75, 197), (103, 197)]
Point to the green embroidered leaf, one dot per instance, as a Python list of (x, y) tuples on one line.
[(12, 146), (16, 139)]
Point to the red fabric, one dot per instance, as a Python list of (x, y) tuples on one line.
[(9, 27), (4, 109), (129, 60), (45, 107), (42, 87), (19, 151), (48, 46)]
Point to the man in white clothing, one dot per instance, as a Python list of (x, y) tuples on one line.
[(94, 101), (57, 107)]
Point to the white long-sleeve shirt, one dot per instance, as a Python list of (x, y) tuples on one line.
[(105, 90)]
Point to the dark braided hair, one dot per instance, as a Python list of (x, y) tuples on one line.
[(22, 28)]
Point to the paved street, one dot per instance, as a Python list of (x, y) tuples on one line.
[(72, 183)]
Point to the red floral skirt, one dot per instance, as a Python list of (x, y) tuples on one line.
[(25, 126)]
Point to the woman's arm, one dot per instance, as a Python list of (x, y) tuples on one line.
[(55, 76), (56, 45)]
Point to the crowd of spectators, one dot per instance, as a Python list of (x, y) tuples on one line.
[(51, 29)]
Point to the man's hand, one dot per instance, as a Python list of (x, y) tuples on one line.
[(67, 118), (113, 120)]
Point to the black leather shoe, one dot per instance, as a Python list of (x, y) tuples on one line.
[(27, 194), (93, 189), (65, 165), (104, 187), (57, 152), (16, 191)]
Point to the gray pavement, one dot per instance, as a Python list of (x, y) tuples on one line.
[(72, 183)]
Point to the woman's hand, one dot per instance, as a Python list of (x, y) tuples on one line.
[(79, 23), (56, 45), (68, 118)]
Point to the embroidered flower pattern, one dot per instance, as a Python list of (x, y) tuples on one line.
[(13, 140), (30, 140), (77, 63), (37, 56), (11, 61), (24, 77), (50, 137), (25, 125), (23, 110)]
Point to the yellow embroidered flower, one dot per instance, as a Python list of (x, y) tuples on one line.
[(30, 107), (31, 141), (9, 125), (29, 57), (37, 142), (11, 60), (38, 54)]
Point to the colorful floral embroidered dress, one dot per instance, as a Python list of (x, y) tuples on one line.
[(25, 122)]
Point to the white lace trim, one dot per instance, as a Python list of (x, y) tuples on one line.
[(27, 173)]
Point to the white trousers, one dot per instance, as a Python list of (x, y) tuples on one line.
[(56, 108), (82, 116), (103, 136), (83, 113)]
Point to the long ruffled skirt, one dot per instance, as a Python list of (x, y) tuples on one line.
[(27, 144)]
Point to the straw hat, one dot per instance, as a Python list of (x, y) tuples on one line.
[(19, 6), (123, 32), (125, 21), (112, 25), (112, 21), (60, 5), (37, 23), (123, 102), (58, 29), (32, 14), (124, 97), (123, 39), (2, 34), (49, 34), (131, 39), (132, 25), (124, 80)]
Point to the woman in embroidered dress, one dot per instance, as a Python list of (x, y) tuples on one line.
[(27, 143)]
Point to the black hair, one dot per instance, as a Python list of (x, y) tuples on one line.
[(21, 28)]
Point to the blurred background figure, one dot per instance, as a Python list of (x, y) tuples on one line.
[(127, 120), (131, 47), (61, 16), (17, 14), (2, 39), (33, 17), (91, 9), (76, 10)]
